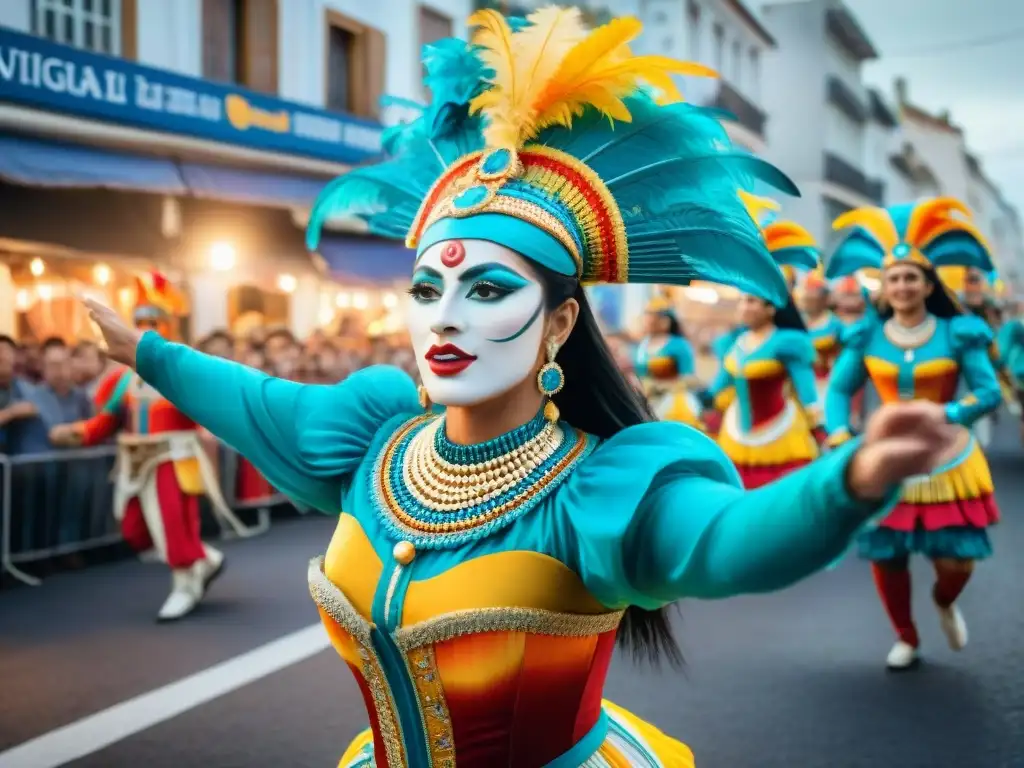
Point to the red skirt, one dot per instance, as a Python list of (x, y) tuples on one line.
[(757, 475)]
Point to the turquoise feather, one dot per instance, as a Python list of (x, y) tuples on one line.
[(958, 249), (857, 250), (673, 171)]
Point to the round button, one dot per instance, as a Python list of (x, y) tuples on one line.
[(404, 552)]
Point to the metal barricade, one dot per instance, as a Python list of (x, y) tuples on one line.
[(61, 503)]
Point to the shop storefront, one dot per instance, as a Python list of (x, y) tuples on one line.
[(108, 167)]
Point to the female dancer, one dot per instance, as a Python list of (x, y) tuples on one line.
[(772, 421), (664, 362), (488, 555), (919, 349), (823, 326)]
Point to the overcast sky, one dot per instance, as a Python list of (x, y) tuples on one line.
[(946, 50)]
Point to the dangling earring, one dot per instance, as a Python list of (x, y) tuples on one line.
[(424, 397), (550, 380)]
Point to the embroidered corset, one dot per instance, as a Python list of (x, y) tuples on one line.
[(762, 390), (473, 649), (926, 371)]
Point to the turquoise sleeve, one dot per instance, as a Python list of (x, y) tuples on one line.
[(737, 542), (657, 514), (306, 439), (797, 353), (971, 340), (682, 353), (849, 374), (721, 382)]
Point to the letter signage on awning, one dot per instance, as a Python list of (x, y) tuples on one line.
[(39, 73)]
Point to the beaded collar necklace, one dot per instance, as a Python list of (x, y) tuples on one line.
[(439, 495)]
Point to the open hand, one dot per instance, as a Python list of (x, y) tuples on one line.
[(901, 440), (121, 339)]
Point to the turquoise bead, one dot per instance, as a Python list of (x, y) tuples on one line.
[(496, 161), (472, 196), (551, 380), (901, 250)]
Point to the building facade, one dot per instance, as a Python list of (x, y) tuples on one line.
[(821, 112), (210, 126)]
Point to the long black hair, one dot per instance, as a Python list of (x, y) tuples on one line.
[(790, 317), (940, 302), (597, 399)]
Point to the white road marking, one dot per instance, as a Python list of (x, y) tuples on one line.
[(98, 731)]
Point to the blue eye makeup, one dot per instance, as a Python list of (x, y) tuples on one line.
[(427, 285), (492, 282)]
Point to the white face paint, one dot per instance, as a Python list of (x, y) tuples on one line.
[(476, 320)]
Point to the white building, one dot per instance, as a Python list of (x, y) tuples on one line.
[(936, 150), (230, 103), (821, 113)]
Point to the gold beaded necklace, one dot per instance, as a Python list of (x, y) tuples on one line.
[(441, 486)]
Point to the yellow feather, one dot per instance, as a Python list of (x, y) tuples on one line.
[(494, 36), (550, 71)]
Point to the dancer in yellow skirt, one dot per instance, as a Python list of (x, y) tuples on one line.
[(664, 362), (492, 548), (921, 347), (772, 421)]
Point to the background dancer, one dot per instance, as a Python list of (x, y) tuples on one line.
[(162, 468), (919, 349), (664, 362)]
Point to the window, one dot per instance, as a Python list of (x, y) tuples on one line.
[(434, 26), (737, 64), (755, 74), (719, 33), (222, 40), (693, 30), (240, 42), (355, 66), (94, 25), (340, 53)]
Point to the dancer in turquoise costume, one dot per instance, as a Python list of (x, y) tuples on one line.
[(664, 362), (921, 348), (487, 557)]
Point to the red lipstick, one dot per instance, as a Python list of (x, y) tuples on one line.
[(448, 360)]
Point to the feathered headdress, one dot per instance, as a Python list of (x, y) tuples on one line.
[(548, 139), (935, 233), (661, 304), (792, 247), (156, 298), (815, 280)]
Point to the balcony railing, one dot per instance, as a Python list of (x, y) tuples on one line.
[(746, 113), (840, 172), (841, 96)]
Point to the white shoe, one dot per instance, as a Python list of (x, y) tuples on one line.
[(186, 590), (902, 656), (953, 626), (209, 568)]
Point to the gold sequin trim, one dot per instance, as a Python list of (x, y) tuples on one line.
[(434, 714), (504, 619), (334, 603), (453, 526)]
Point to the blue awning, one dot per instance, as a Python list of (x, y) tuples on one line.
[(242, 185), (367, 259), (40, 163)]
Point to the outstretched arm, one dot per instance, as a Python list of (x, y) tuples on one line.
[(306, 439), (698, 536)]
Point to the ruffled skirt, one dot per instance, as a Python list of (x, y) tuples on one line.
[(680, 405), (943, 515), (771, 450), (629, 743)]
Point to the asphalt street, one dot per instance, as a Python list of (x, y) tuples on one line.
[(790, 680)]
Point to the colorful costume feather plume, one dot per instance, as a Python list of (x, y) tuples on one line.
[(934, 233), (548, 138)]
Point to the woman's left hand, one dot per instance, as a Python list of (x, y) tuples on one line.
[(901, 440)]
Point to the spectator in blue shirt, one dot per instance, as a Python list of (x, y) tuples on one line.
[(14, 404)]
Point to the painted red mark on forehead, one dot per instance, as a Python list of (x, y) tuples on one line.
[(453, 253)]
